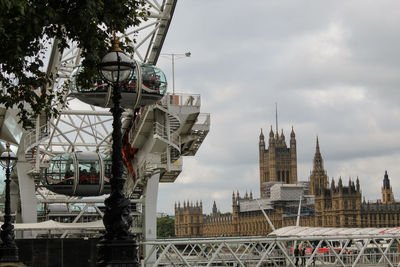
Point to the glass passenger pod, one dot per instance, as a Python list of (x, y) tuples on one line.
[(76, 174), (147, 90), (107, 162)]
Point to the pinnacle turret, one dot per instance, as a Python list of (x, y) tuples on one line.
[(271, 133), (340, 184), (318, 161), (386, 181), (214, 209), (282, 138)]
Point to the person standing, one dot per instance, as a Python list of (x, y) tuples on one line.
[(297, 255), (302, 258)]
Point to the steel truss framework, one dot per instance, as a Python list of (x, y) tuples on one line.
[(85, 127), (356, 250), (82, 127)]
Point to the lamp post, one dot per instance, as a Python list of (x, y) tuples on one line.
[(8, 249), (118, 246), (173, 57)]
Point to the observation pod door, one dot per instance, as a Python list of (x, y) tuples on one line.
[(61, 175), (89, 174)]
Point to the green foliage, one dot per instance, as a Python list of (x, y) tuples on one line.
[(165, 227), (25, 27)]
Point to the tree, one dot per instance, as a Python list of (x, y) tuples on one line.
[(165, 227), (25, 27)]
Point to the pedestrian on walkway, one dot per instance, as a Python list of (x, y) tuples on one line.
[(297, 255)]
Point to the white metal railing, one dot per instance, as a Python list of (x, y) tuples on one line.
[(202, 125), (182, 100), (164, 157), (30, 137), (203, 119), (138, 121), (161, 131), (275, 251), (174, 155)]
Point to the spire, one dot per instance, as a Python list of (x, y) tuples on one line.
[(386, 181), (282, 136), (358, 185), (318, 161), (261, 143), (214, 209), (340, 184), (276, 116), (292, 134), (271, 137)]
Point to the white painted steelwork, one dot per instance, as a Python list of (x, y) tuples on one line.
[(80, 127), (355, 250)]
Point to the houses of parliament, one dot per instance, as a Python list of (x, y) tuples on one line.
[(323, 203)]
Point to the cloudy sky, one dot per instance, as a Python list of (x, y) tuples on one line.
[(333, 67)]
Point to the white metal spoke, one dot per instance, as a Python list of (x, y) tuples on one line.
[(334, 253), (215, 254), (165, 250), (180, 255), (361, 252), (234, 255), (383, 254), (266, 253)]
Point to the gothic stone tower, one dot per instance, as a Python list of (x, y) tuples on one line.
[(318, 177), (278, 163), (337, 206), (189, 219), (387, 193)]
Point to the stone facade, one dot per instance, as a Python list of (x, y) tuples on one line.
[(189, 219), (323, 204), (278, 163)]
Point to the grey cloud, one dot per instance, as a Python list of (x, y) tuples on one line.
[(333, 67)]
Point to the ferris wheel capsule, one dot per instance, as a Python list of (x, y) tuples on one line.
[(78, 174), (145, 85)]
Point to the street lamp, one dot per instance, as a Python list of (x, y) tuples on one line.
[(117, 247), (173, 57), (8, 249)]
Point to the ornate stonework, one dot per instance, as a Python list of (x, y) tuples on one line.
[(323, 204)]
